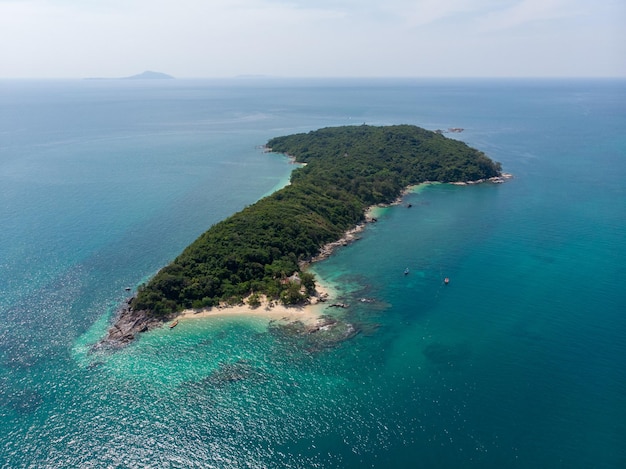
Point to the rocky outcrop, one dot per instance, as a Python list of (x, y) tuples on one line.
[(326, 251), (127, 325), (494, 180), (327, 332)]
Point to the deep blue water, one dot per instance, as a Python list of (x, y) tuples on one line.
[(519, 362)]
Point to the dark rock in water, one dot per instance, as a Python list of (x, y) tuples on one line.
[(95, 364), (127, 325), (228, 373), (20, 359), (325, 333)]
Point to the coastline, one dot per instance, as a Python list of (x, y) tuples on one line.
[(371, 214), (311, 314), (494, 180), (312, 311), (350, 236)]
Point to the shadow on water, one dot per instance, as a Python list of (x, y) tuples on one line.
[(238, 371), (447, 356), (19, 400)]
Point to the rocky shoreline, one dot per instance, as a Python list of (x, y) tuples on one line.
[(494, 180), (351, 235), (127, 324)]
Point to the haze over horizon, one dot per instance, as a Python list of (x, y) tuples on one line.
[(332, 38)]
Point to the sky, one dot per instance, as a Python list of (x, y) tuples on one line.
[(313, 38)]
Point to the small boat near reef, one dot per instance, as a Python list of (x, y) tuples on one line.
[(446, 280), (406, 271), (127, 288), (174, 324)]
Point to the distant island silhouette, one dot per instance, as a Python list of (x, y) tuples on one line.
[(147, 75)]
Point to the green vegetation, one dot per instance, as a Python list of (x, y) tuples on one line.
[(347, 170)]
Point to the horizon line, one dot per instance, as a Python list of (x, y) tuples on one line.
[(251, 77)]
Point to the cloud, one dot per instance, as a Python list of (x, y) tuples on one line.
[(529, 11), (425, 12), (193, 38), (130, 35)]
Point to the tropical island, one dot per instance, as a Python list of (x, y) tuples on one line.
[(263, 250)]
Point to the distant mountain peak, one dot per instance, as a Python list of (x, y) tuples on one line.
[(149, 75)]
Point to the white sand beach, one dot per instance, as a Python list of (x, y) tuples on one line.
[(308, 314)]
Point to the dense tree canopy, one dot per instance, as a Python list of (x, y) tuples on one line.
[(347, 169)]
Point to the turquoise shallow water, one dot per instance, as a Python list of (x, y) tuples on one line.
[(519, 362)]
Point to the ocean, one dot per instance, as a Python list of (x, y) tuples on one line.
[(519, 362)]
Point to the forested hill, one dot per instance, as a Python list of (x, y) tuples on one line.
[(347, 170)]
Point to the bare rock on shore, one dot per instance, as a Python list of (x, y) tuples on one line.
[(349, 237), (127, 325), (494, 180)]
